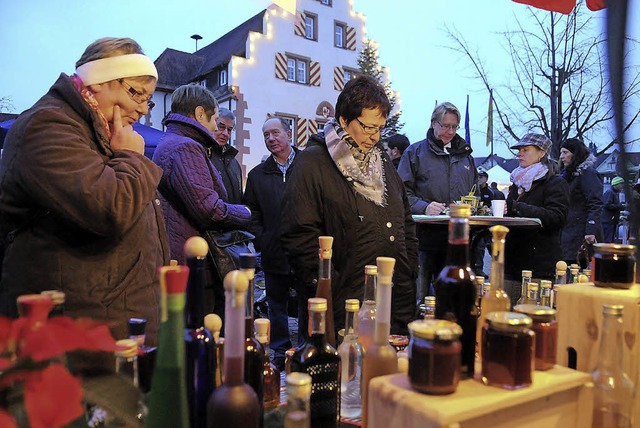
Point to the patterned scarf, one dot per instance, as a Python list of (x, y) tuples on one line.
[(88, 96), (524, 177), (364, 171)]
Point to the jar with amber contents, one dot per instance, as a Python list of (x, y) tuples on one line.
[(434, 356), (545, 327), (613, 265), (508, 347)]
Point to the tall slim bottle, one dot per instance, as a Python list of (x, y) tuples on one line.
[(168, 406), (298, 396), (271, 386), (559, 281), (380, 358), (613, 392), (324, 283), (317, 358), (234, 404), (200, 363), (127, 365), (213, 323), (367, 314), (146, 354), (350, 351), (455, 286), (254, 351), (524, 289), (496, 299)]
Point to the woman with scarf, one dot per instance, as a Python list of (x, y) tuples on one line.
[(585, 194), (536, 192), (346, 186)]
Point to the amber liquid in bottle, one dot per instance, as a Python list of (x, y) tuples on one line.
[(271, 374)]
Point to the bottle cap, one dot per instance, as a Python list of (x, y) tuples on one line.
[(325, 242), (533, 286), (435, 329), (605, 248), (459, 210), (35, 306), (298, 385), (545, 283), (317, 304), (499, 232), (480, 280), (561, 272), (57, 296), (213, 323), (508, 319), (582, 278), (371, 270), (385, 269), (561, 265), (612, 309), (430, 300), (126, 348), (261, 326), (196, 246), (137, 326), (236, 283), (352, 305), (574, 270), (535, 311), (527, 273), (173, 279)]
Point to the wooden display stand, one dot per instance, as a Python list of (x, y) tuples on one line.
[(580, 323), (559, 397)]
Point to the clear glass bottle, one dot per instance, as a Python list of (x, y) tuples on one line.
[(479, 291), (367, 314), (613, 392), (532, 294), (559, 281), (127, 365), (234, 403), (380, 359), (298, 397), (430, 307), (325, 252), (146, 354), (350, 351), (496, 300), (321, 361), (455, 286), (271, 374), (524, 289), (545, 293), (574, 275)]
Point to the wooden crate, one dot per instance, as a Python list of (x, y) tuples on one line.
[(559, 397), (580, 323)]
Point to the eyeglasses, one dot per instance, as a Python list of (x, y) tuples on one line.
[(371, 130), (449, 127), (137, 96), (221, 127)]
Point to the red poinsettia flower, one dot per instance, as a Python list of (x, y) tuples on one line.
[(6, 420)]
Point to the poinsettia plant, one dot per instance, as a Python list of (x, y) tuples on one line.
[(32, 363)]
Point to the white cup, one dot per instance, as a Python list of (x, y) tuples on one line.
[(497, 207)]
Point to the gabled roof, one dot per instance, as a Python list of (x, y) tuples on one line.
[(177, 68)]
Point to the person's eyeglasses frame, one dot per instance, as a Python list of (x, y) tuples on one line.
[(449, 127), (222, 127), (370, 130), (135, 94)]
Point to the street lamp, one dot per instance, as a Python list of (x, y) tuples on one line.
[(196, 37)]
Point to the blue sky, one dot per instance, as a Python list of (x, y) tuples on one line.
[(41, 38)]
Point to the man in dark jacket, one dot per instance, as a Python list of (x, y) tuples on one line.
[(223, 156), (611, 209), (263, 195), (436, 172), (395, 147)]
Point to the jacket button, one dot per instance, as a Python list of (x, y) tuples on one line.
[(392, 238), (157, 201), (389, 225)]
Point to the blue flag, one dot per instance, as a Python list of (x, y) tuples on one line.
[(467, 129)]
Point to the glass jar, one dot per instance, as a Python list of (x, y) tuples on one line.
[(434, 356), (545, 327), (613, 265), (507, 350)]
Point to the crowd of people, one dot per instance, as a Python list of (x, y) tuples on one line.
[(84, 211)]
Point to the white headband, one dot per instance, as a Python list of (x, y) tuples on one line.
[(116, 67)]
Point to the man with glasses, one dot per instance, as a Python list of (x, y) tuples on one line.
[(223, 156), (436, 172)]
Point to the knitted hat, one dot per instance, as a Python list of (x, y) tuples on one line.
[(538, 140), (570, 144), (617, 180)]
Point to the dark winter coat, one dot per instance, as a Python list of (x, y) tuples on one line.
[(99, 235), (320, 201), (536, 249), (585, 208), (193, 193), (224, 160), (263, 195), (611, 207)]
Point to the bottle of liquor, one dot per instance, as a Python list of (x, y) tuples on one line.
[(532, 294), (234, 404), (367, 314), (298, 396), (524, 290), (213, 323), (430, 307), (545, 293), (560, 280), (455, 286), (200, 364), (324, 283), (321, 361), (350, 351), (613, 392), (254, 351), (574, 275), (146, 354), (168, 405), (127, 365), (479, 292), (496, 300), (381, 358), (270, 372)]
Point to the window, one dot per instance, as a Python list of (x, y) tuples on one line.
[(223, 77), (297, 70), (326, 2), (340, 31), (347, 76), (203, 82), (310, 22)]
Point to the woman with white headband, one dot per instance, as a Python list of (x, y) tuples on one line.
[(78, 207)]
